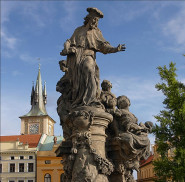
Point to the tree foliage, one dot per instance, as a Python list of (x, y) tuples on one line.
[(170, 132)]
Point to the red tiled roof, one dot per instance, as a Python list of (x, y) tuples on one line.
[(144, 162), (32, 140)]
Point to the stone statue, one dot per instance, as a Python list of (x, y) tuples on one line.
[(102, 139), (81, 51)]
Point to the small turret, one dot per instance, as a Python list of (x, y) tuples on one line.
[(32, 94), (44, 94)]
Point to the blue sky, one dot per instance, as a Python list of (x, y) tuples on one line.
[(154, 34)]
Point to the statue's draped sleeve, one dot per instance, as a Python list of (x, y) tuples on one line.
[(91, 39), (96, 41)]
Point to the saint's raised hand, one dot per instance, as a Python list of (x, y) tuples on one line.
[(121, 47)]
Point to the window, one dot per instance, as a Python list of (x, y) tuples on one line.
[(12, 168), (30, 167), (21, 157), (30, 157), (30, 180), (11, 181), (21, 167), (0, 168), (47, 178), (0, 158), (12, 158), (20, 180), (47, 162)]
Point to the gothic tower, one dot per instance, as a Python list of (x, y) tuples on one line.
[(37, 121)]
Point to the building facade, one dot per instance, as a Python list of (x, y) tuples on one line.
[(146, 173), (18, 158), (49, 167)]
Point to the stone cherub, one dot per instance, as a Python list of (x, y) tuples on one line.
[(131, 137), (108, 99)]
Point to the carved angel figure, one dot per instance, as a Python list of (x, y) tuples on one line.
[(131, 137), (108, 99)]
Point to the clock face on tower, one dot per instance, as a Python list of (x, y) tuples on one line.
[(34, 128)]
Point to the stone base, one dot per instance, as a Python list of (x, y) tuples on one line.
[(84, 155)]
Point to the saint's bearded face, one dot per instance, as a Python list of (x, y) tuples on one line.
[(93, 22)]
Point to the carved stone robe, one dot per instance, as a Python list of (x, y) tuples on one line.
[(85, 78)]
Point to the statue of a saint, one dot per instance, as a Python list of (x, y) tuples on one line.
[(81, 49)]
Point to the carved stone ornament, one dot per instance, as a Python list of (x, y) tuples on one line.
[(100, 133)]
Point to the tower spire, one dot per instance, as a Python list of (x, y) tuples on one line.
[(38, 98)]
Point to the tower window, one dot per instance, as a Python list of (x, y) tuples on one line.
[(21, 157), (12, 157)]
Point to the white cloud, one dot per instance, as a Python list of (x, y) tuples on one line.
[(16, 73), (40, 13), (8, 40), (174, 30), (68, 22), (33, 60), (175, 27), (129, 12), (6, 8), (13, 106)]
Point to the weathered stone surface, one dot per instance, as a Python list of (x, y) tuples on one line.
[(103, 141)]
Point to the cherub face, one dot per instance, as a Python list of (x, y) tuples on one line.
[(123, 103)]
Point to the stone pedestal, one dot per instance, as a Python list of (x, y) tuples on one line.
[(113, 152), (84, 154)]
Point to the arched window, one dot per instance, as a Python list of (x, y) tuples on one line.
[(47, 178)]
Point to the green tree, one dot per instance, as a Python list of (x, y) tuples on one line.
[(170, 132)]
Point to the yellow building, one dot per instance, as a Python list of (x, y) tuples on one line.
[(18, 158), (49, 167), (146, 172)]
